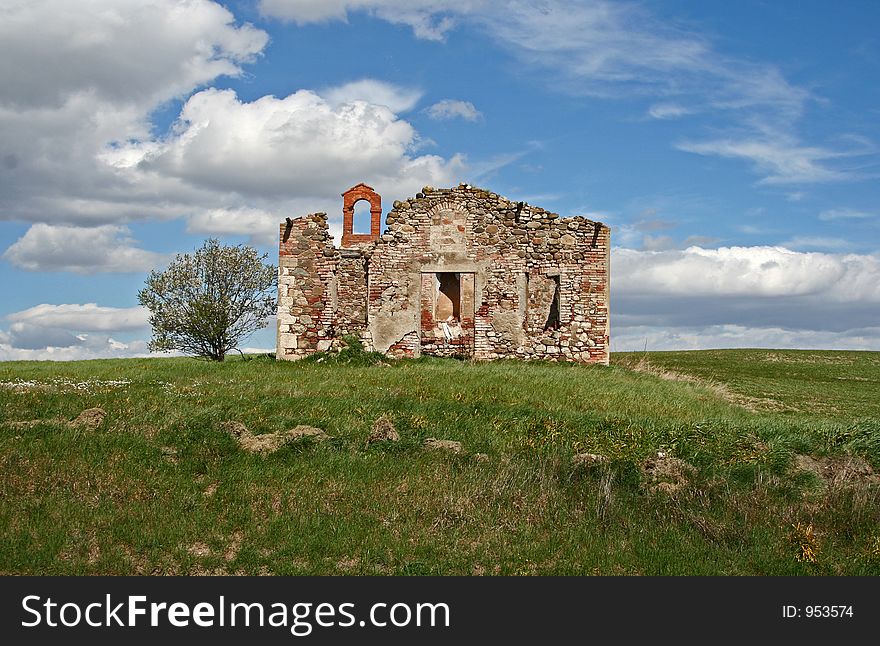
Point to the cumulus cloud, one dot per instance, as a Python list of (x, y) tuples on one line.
[(394, 97), (98, 48), (79, 149), (259, 225), (749, 271), (72, 331), (453, 109), (658, 243), (766, 287), (87, 317), (82, 250), (82, 76), (262, 227), (300, 145)]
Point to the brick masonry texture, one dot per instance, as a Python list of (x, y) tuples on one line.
[(456, 272)]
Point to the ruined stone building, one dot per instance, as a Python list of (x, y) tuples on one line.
[(457, 272)]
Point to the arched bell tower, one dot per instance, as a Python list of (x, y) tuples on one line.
[(351, 197)]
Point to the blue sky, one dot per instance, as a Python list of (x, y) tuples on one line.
[(734, 149)]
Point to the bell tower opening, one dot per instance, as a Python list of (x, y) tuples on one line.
[(356, 235), (362, 220)]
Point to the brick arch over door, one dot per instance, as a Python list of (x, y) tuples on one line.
[(349, 199)]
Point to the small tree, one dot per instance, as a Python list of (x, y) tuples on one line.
[(204, 304)]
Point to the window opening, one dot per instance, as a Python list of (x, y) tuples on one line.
[(553, 321)]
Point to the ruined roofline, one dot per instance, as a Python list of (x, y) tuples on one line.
[(288, 222), (320, 218), (318, 214), (533, 210), (429, 190)]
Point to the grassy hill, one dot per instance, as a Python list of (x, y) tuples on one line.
[(765, 468)]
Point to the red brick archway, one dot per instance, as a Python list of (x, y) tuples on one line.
[(349, 199)]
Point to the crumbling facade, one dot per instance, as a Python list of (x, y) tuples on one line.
[(457, 272)]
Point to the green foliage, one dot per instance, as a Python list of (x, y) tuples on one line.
[(352, 353), (206, 303), (353, 343)]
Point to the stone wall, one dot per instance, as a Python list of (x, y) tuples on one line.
[(526, 282), (321, 290)]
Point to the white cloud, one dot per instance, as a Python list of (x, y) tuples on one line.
[(846, 214), (299, 145), (429, 19), (80, 157), (753, 287), (87, 317), (453, 109), (119, 52), (749, 271), (253, 163), (80, 76), (638, 338), (82, 250), (781, 159), (244, 221), (668, 111), (72, 331), (86, 347), (394, 97), (692, 241)]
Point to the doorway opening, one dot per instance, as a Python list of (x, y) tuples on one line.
[(448, 301)]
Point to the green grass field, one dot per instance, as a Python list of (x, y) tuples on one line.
[(161, 487)]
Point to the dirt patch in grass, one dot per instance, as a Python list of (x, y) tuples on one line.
[(383, 430), (90, 419), (199, 549), (838, 470), (348, 563), (823, 358), (665, 474), (234, 546), (270, 442), (443, 445)]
